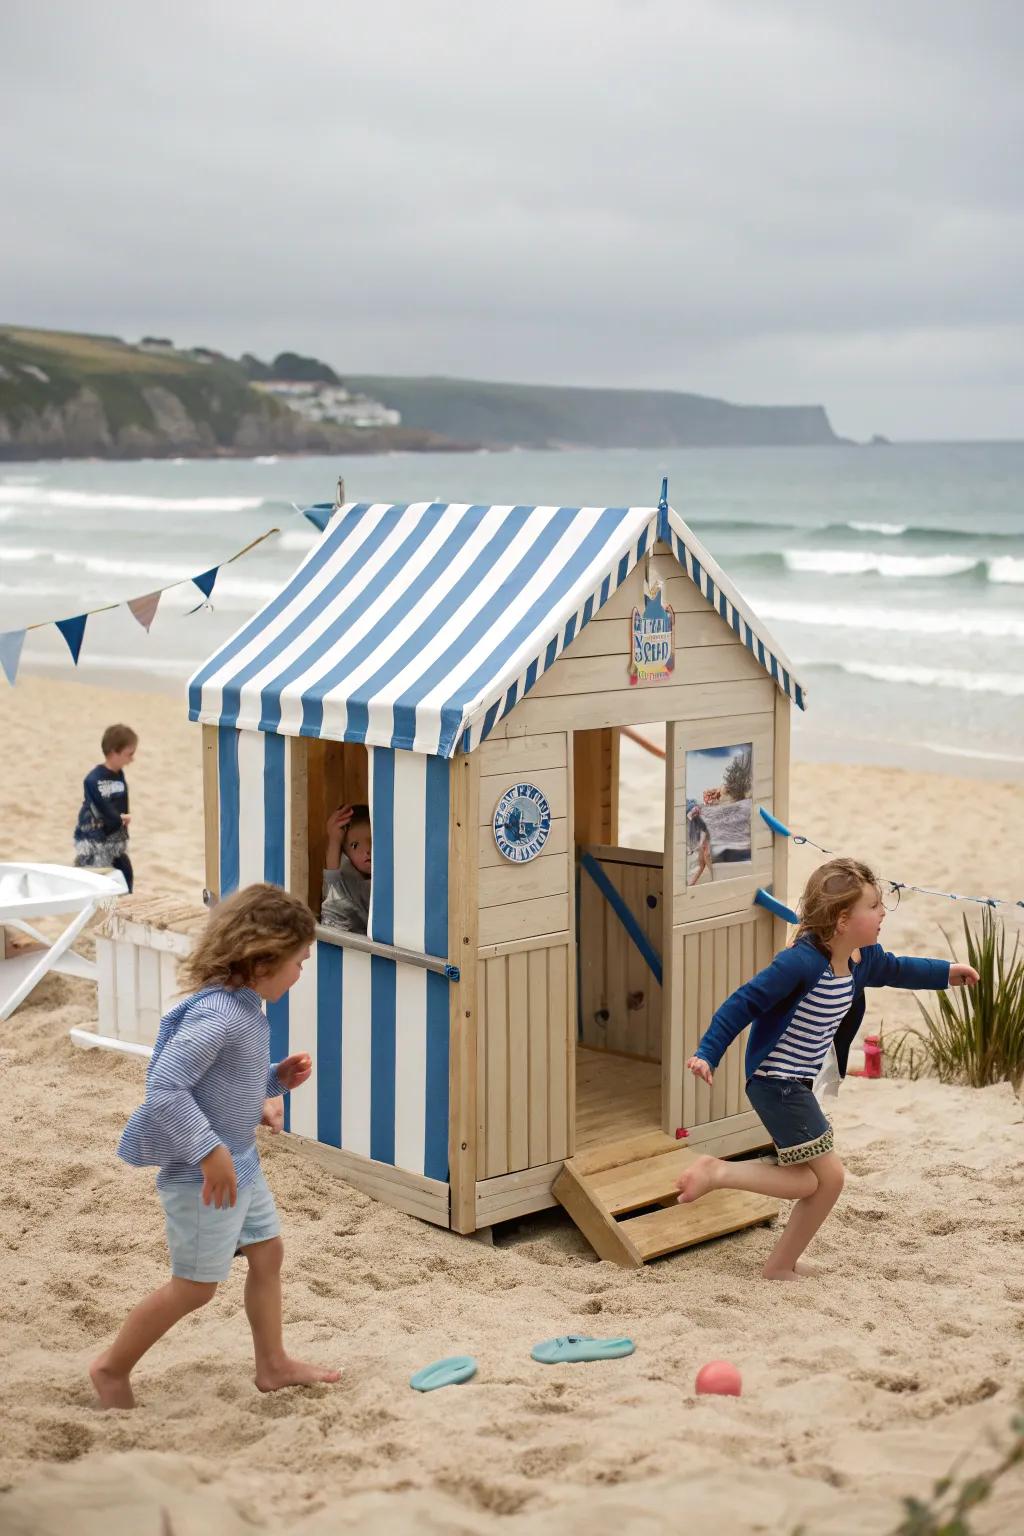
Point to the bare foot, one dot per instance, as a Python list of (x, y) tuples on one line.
[(112, 1390), (768, 1273), (806, 1270), (697, 1180), (292, 1373)]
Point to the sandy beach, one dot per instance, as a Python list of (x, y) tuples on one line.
[(860, 1386)]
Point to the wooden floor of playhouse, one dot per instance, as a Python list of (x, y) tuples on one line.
[(616, 1097)]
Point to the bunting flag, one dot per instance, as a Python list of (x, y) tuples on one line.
[(205, 581), (10, 653), (144, 609), (73, 631)]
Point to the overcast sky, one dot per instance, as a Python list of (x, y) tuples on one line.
[(768, 201)]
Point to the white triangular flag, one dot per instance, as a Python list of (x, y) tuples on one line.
[(10, 653), (144, 608)]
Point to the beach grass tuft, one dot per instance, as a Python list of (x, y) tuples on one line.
[(971, 1035)]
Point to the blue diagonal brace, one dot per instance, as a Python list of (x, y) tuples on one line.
[(622, 912)]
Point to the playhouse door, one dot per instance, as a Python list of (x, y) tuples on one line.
[(718, 853)]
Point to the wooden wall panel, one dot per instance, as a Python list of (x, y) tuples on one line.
[(710, 959), (523, 1043), (620, 999)]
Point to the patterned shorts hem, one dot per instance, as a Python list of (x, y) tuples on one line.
[(808, 1149)]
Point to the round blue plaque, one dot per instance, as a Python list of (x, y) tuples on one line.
[(522, 821)]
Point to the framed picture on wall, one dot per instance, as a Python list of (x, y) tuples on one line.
[(719, 813)]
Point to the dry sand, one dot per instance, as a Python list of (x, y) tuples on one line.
[(859, 1387)]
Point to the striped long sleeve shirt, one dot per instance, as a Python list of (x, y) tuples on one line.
[(209, 1075), (803, 1046)]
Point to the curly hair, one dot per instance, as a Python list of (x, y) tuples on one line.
[(834, 888), (251, 933)]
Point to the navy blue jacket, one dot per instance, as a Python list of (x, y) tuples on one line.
[(769, 1000), (104, 799)]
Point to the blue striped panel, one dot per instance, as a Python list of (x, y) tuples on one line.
[(227, 784), (318, 558), (277, 1017), (382, 1059), (361, 696), (329, 1025), (273, 809), (331, 595), (382, 890), (435, 1150), (435, 939)]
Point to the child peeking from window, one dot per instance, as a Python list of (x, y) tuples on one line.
[(346, 896)]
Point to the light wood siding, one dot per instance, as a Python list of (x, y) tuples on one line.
[(524, 901), (525, 1086), (620, 1000), (710, 959), (524, 1048)]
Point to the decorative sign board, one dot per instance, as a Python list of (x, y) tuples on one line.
[(652, 657), (522, 821)]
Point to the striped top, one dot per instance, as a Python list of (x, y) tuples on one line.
[(803, 1046), (209, 1075), (421, 626)]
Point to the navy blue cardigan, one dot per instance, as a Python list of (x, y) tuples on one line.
[(769, 1000)]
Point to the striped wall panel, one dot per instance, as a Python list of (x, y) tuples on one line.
[(377, 1028), (377, 1031), (409, 797)]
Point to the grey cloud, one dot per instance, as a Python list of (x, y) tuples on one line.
[(764, 200)]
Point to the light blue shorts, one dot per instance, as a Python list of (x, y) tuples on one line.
[(203, 1240)]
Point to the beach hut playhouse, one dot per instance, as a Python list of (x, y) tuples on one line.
[(513, 1029)]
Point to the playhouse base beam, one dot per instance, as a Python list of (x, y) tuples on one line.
[(409, 1192)]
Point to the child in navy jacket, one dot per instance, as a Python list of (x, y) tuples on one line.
[(809, 998)]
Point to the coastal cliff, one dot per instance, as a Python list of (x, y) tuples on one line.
[(543, 416), (64, 395)]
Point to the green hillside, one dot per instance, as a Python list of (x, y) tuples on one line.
[(542, 416), (68, 395)]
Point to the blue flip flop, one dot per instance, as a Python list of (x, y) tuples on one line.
[(578, 1346), (444, 1373)]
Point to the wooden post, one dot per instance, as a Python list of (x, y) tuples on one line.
[(571, 1002), (463, 934), (781, 751), (671, 990), (316, 818), (297, 875), (211, 809), (595, 785)]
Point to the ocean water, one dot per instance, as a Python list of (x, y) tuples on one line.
[(893, 577)]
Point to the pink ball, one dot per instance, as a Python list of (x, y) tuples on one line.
[(719, 1377)]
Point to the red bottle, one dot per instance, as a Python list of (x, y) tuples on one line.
[(872, 1056)]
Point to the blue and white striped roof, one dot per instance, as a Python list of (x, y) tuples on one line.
[(421, 626)]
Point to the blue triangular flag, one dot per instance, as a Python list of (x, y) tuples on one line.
[(320, 515), (10, 653), (73, 631), (206, 580)]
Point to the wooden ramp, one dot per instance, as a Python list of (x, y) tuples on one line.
[(622, 1196)]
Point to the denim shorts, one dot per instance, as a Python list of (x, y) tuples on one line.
[(203, 1240), (792, 1116)]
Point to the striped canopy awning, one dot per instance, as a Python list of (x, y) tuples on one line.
[(421, 626)]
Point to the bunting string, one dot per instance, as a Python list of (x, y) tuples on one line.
[(896, 887), (143, 610)]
